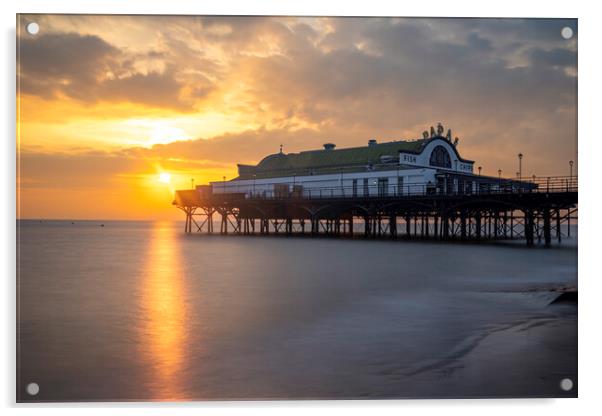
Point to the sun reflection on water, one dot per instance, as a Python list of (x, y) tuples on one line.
[(164, 314)]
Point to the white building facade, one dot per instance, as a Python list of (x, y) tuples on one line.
[(431, 165)]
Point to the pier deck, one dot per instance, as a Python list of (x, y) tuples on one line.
[(538, 213)]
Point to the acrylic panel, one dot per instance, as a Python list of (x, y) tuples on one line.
[(244, 208)]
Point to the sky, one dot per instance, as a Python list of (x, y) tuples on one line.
[(116, 112)]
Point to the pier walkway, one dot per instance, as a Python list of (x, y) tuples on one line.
[(536, 210)]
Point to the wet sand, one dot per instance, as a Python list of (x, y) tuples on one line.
[(528, 359)]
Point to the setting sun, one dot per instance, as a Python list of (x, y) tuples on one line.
[(164, 177)]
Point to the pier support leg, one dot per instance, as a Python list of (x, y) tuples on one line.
[(224, 224), (188, 221), (289, 226), (393, 226), (529, 227), (558, 229), (547, 227), (445, 226)]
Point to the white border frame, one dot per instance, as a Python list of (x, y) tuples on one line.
[(590, 146)]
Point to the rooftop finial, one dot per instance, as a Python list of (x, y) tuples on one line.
[(449, 135), (281, 148), (440, 129), (432, 131)]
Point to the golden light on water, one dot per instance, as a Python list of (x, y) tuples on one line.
[(163, 336)]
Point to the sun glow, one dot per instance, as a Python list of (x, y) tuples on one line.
[(164, 177)]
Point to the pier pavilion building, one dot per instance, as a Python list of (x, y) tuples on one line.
[(430, 165), (408, 188)]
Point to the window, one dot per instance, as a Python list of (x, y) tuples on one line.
[(383, 185), (354, 186), (366, 189), (400, 185), (440, 158)]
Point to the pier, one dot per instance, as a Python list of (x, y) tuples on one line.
[(537, 210)]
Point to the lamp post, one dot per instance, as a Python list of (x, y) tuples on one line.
[(192, 183), (499, 177), (224, 183), (520, 165), (571, 170), (480, 167)]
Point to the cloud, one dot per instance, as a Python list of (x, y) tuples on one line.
[(88, 69), (554, 58), (503, 85), (62, 62)]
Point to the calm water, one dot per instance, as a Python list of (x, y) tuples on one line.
[(135, 311)]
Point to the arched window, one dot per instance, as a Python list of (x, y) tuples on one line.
[(440, 158)]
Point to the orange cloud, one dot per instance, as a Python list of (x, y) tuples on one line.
[(105, 102)]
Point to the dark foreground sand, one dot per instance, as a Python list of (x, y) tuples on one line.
[(525, 360)]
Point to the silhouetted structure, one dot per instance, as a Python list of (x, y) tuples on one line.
[(402, 189)]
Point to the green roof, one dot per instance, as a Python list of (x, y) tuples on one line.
[(328, 161)]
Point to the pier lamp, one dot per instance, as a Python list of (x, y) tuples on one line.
[(480, 167), (192, 183), (224, 183), (499, 177), (571, 169), (520, 165)]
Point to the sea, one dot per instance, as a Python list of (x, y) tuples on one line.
[(133, 310)]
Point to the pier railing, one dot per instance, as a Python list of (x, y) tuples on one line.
[(476, 186), (451, 209)]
